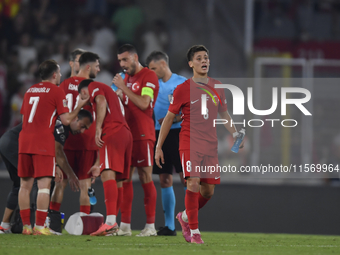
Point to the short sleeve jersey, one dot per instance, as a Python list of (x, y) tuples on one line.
[(84, 141), (198, 132), (166, 90), (43, 102), (141, 122), (114, 118)]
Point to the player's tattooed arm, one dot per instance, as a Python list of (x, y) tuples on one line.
[(142, 102), (65, 166), (67, 117)]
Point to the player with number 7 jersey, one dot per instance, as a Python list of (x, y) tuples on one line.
[(42, 104)]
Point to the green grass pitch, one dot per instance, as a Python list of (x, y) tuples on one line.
[(215, 243)]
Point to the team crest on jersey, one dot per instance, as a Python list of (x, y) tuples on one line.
[(64, 102), (135, 87)]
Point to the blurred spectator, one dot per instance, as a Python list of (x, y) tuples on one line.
[(16, 103), (104, 38), (155, 39), (26, 52), (126, 20), (29, 76)]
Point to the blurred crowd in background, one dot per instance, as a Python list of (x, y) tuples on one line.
[(32, 31)]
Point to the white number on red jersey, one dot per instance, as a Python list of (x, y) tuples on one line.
[(34, 101), (69, 98)]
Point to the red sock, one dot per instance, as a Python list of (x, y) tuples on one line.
[(26, 216), (126, 204), (191, 206), (202, 200), (40, 217), (55, 206), (120, 198), (85, 209), (150, 198), (111, 194)]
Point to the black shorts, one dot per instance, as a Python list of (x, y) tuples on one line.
[(171, 153)]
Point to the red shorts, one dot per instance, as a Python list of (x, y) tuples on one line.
[(142, 153), (33, 165), (196, 164), (81, 162), (116, 153)]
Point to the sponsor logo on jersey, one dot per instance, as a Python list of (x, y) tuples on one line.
[(64, 102)]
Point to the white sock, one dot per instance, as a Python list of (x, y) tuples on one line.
[(39, 227), (151, 226), (125, 226), (110, 220), (194, 231), (185, 216), (5, 225)]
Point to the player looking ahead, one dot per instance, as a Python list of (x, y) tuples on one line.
[(158, 62), (139, 96), (198, 139), (114, 139), (43, 103)]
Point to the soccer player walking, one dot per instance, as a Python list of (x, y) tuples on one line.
[(158, 62), (114, 139), (198, 139), (138, 91), (43, 103)]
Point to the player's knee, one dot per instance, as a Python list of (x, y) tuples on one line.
[(207, 193), (165, 182), (12, 199)]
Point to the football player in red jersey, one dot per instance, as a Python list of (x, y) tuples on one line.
[(114, 139), (80, 150), (198, 139), (138, 91), (43, 103)]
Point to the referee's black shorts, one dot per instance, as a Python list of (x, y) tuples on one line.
[(170, 152)]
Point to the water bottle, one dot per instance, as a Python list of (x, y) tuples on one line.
[(62, 215), (93, 199), (113, 86), (238, 141)]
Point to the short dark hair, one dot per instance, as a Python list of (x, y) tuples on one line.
[(84, 84), (47, 68), (85, 114), (75, 53), (196, 48), (127, 47), (88, 57), (156, 56)]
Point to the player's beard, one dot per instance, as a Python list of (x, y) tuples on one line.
[(92, 75), (132, 69)]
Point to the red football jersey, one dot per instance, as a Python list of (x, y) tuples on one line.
[(141, 122), (198, 132), (43, 103), (86, 140), (114, 118)]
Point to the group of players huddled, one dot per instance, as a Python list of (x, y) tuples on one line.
[(56, 139)]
